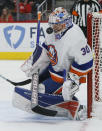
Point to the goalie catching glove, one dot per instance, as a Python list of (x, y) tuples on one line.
[(38, 60)]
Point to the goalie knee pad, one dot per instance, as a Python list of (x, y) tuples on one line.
[(41, 88)]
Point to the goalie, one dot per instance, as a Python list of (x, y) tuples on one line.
[(62, 61)]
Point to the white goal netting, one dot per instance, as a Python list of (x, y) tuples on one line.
[(96, 81)]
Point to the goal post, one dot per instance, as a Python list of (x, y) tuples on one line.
[(94, 78), (89, 76)]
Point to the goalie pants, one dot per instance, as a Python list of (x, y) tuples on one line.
[(51, 87)]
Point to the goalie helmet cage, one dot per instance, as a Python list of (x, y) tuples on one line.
[(94, 80)]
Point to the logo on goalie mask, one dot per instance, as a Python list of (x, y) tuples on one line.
[(52, 53), (14, 35)]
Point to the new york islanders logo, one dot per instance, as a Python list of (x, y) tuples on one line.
[(14, 35), (52, 53)]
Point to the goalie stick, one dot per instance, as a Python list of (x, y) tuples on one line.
[(21, 83), (35, 77), (35, 83), (34, 98)]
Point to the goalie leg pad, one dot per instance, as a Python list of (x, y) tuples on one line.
[(22, 99), (68, 90), (64, 108), (47, 103)]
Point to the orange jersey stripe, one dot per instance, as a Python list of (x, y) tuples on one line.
[(82, 80), (79, 73)]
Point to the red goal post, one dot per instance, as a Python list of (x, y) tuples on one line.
[(94, 78)]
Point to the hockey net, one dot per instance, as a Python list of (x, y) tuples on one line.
[(94, 81)]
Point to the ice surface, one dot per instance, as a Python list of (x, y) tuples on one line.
[(12, 119)]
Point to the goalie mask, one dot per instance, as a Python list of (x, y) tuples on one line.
[(60, 21)]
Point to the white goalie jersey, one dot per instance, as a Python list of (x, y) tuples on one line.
[(70, 53), (65, 50)]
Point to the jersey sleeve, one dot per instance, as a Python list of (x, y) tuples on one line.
[(83, 58)]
